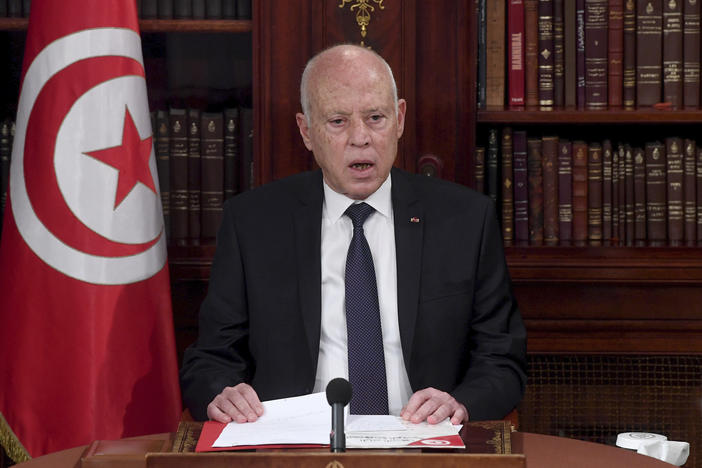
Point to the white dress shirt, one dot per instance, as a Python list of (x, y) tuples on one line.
[(379, 230)]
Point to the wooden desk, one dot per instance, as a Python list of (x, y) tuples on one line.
[(541, 451)]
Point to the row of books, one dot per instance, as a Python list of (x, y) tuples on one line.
[(14, 8), (594, 54), (552, 191), (194, 9)]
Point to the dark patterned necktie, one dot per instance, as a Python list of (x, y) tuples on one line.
[(365, 335)]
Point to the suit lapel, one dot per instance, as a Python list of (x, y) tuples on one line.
[(308, 225), (409, 229)]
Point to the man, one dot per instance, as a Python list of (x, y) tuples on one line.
[(274, 323)]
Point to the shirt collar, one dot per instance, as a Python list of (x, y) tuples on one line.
[(335, 204)]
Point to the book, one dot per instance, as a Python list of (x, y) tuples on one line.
[(580, 53), (198, 9), (178, 135), (535, 189), (616, 205), (596, 54), (507, 187), (621, 196), (673, 53), (549, 164), (649, 53), (545, 56), (615, 53), (558, 54), (495, 59), (607, 190), (14, 8), (639, 196), (212, 174), (163, 166), (231, 152), (213, 9), (531, 52), (194, 163), (243, 9), (580, 196), (3, 8), (229, 9), (565, 191), (674, 189), (26, 7), (482, 54), (629, 69), (165, 9), (149, 9), (691, 54), (569, 44), (479, 175), (515, 51), (182, 9), (629, 194), (521, 187), (492, 183), (246, 148), (656, 207), (594, 192), (690, 191), (698, 172)]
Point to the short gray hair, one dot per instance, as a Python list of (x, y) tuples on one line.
[(304, 82)]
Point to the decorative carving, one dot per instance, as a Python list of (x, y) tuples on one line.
[(363, 13)]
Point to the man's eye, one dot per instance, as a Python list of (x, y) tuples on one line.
[(337, 121), (376, 117)]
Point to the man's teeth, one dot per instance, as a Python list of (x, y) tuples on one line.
[(361, 166)]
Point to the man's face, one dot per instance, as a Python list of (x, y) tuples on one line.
[(353, 125)]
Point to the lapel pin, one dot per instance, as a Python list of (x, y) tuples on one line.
[(414, 219)]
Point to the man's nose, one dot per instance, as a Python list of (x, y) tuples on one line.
[(360, 136)]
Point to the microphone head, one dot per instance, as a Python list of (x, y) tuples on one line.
[(339, 391)]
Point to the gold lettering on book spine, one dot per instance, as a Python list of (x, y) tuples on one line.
[(363, 13)]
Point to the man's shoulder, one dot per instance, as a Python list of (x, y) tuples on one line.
[(304, 187), (435, 190)]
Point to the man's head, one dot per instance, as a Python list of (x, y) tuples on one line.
[(352, 118)]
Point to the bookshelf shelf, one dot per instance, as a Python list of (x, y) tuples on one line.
[(159, 25), (13, 24), (567, 116)]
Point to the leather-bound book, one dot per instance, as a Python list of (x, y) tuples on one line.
[(656, 207), (690, 188), (629, 37), (199, 9), (515, 52), (213, 9), (673, 53), (536, 191), (246, 141), (521, 187), (495, 60), (594, 192), (165, 9), (616, 205), (492, 183), (596, 54), (699, 193), (243, 9), (531, 48), (162, 148), (229, 9), (25, 8), (607, 190), (615, 53), (14, 8), (545, 57), (558, 53), (182, 9), (691, 54), (5, 151), (507, 187), (580, 197), (178, 134), (149, 9), (621, 233), (194, 175), (565, 191), (580, 53), (212, 183), (482, 53), (649, 52), (569, 43), (674, 186), (231, 152), (549, 164), (629, 193), (479, 175), (639, 196)]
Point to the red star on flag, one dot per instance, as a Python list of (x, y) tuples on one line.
[(130, 159)]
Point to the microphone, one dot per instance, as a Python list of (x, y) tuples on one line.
[(338, 396)]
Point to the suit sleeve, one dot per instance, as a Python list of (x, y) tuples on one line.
[(220, 357), (495, 378)]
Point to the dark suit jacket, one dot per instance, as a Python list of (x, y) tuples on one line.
[(460, 328)]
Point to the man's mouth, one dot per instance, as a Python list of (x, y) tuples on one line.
[(361, 166)]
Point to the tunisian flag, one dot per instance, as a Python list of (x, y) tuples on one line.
[(86, 334)]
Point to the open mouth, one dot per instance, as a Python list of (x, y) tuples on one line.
[(361, 166)]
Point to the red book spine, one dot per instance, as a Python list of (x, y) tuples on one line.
[(516, 52), (615, 54), (531, 56), (579, 192)]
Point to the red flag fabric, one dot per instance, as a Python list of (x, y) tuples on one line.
[(86, 332)]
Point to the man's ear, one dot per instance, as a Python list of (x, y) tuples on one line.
[(401, 111), (304, 129)]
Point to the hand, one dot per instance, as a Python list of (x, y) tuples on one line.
[(434, 406), (239, 403)]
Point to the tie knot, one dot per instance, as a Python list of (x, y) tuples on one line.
[(358, 213)]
